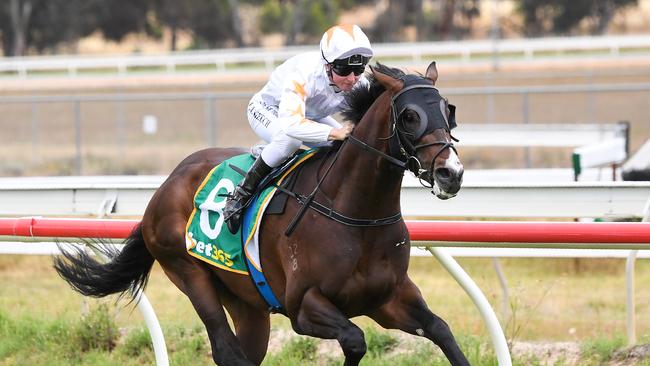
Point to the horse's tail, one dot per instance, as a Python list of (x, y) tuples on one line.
[(125, 271)]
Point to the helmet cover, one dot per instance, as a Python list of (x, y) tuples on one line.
[(343, 41)]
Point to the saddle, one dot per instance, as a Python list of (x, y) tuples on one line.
[(279, 200)]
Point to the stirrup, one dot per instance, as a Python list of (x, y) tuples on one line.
[(230, 215), (244, 191), (233, 219)]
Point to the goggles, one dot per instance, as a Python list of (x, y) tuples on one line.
[(354, 63), (345, 70)]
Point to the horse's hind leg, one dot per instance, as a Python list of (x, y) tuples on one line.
[(200, 286), (252, 326), (408, 311), (318, 317)]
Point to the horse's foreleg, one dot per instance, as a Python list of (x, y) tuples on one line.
[(200, 287), (407, 311), (318, 317)]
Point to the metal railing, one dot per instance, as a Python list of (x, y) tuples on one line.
[(22, 117), (464, 52), (127, 196)]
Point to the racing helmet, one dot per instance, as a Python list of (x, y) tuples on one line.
[(346, 43)]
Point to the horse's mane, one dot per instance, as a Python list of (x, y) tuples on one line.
[(359, 100)]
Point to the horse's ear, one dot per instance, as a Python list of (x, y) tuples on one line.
[(389, 82), (432, 72)]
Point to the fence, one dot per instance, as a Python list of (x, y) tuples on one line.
[(91, 133), (621, 235), (127, 196), (596, 144), (464, 52)]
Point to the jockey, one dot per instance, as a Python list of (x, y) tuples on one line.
[(295, 107)]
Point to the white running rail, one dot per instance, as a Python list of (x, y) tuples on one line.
[(261, 59)]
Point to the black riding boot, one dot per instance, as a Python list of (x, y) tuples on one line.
[(243, 192)]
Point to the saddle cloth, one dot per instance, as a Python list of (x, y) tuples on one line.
[(206, 236)]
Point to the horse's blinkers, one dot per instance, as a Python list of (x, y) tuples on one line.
[(430, 106), (433, 110)]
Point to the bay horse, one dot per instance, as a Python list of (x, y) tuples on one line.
[(326, 271)]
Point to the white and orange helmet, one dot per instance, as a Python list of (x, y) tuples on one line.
[(346, 42)]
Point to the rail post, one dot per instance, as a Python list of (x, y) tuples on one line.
[(484, 307)]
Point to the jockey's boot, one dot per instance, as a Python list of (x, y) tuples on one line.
[(243, 192)]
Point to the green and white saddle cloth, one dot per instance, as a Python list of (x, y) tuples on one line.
[(206, 235)]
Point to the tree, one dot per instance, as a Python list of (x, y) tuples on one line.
[(117, 18), (271, 18), (237, 31), (29, 24), (299, 17), (297, 20), (42, 25), (389, 23), (6, 31), (71, 18), (437, 24), (212, 23), (318, 17), (469, 10), (544, 17), (16, 26), (174, 14)]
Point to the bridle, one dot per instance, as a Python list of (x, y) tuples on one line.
[(402, 151)]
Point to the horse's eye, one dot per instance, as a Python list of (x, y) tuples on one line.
[(410, 120), (410, 116)]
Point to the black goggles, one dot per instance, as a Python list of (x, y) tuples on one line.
[(345, 70), (354, 63)]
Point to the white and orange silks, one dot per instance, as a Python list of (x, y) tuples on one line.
[(297, 103), (296, 107)]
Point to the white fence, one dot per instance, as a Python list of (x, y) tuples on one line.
[(123, 196), (538, 134), (595, 144), (412, 53)]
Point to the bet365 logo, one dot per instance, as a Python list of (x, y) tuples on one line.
[(215, 202)]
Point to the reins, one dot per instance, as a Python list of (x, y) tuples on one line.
[(307, 200), (399, 163)]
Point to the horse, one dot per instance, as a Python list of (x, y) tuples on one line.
[(330, 268)]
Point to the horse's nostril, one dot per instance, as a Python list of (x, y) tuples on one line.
[(443, 173)]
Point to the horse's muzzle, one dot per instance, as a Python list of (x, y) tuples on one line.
[(446, 182)]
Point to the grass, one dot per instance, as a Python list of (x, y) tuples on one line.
[(298, 350), (39, 341), (600, 350), (43, 322), (91, 340), (52, 342), (379, 343)]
